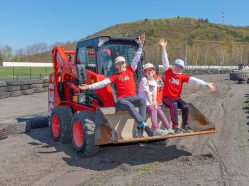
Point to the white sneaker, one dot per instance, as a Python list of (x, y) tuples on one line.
[(166, 131), (160, 132), (171, 131)]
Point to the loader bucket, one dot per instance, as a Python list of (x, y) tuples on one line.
[(118, 127)]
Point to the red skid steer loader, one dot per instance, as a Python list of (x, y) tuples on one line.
[(89, 119)]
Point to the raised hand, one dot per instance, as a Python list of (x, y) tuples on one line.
[(84, 87), (163, 43), (212, 87), (141, 39)]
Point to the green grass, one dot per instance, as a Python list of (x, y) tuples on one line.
[(24, 71)]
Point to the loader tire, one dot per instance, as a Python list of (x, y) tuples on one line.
[(4, 95), (27, 92), (13, 88), (3, 133), (3, 89), (25, 87), (83, 133), (2, 84), (14, 93), (19, 127), (60, 124), (13, 83)]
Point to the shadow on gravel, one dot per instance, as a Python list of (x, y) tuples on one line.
[(109, 156)]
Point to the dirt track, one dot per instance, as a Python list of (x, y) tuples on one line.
[(215, 159)]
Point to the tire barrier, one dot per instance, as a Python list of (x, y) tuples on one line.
[(16, 88)]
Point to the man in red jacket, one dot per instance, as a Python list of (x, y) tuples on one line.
[(173, 82), (124, 81)]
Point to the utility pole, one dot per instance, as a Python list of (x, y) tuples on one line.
[(222, 17), (186, 52)]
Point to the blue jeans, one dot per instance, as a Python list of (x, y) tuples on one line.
[(129, 104)]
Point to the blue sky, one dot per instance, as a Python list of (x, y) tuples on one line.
[(24, 22)]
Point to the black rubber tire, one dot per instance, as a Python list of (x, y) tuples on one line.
[(45, 80), (45, 85), (25, 87), (12, 83), (39, 122), (37, 81), (242, 81), (4, 95), (235, 75), (13, 88), (38, 90), (3, 133), (19, 127), (36, 85), (2, 83), (26, 82), (27, 92), (65, 115), (87, 120), (3, 89), (14, 93)]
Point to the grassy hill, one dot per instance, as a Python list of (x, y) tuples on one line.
[(197, 40)]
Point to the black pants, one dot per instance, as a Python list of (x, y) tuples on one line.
[(173, 106), (129, 104)]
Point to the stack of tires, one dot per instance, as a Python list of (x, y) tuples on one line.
[(37, 85), (26, 87), (45, 85), (3, 90), (241, 76), (3, 132), (13, 88)]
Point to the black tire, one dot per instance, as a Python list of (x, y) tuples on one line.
[(87, 120), (64, 114), (19, 127), (45, 85), (37, 81), (25, 87), (38, 90), (39, 122), (4, 95), (3, 133), (14, 93), (26, 82), (27, 92), (13, 83), (3, 89), (235, 75), (45, 89), (2, 84), (242, 81), (13, 88), (36, 85), (45, 80)]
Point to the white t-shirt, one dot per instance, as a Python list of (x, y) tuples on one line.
[(149, 86)]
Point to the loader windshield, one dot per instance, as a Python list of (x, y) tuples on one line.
[(110, 51)]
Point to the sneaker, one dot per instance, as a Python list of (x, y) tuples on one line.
[(178, 131), (149, 131), (187, 129), (171, 131), (140, 131), (160, 132)]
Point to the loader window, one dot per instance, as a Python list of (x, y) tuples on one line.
[(110, 51), (86, 56)]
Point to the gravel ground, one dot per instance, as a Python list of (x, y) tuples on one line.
[(215, 159)]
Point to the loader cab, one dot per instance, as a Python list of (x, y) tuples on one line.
[(98, 54)]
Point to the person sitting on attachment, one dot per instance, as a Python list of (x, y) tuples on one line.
[(124, 81)]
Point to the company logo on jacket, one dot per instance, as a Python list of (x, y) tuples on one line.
[(125, 78), (174, 81)]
